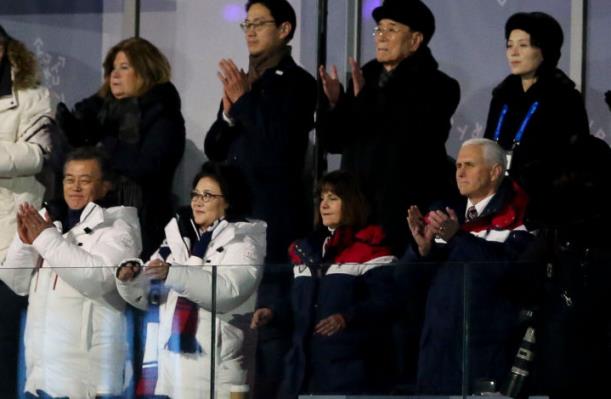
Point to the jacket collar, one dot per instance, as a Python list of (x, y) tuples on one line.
[(412, 67), (259, 64), (6, 77), (91, 217), (548, 83), (162, 93), (500, 198), (222, 234), (504, 211), (285, 63), (9, 101), (421, 61)]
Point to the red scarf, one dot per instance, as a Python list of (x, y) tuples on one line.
[(510, 216)]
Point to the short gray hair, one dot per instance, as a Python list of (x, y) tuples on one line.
[(493, 153)]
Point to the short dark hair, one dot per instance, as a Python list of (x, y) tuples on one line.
[(345, 185), (281, 10), (233, 185), (92, 154)]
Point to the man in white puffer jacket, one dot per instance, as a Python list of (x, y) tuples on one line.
[(75, 329)]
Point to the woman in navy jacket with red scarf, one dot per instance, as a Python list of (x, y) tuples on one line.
[(341, 296)]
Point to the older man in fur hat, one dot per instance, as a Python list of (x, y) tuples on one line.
[(394, 118), (391, 126)]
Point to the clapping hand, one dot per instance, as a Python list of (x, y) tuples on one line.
[(444, 223), (128, 270), (235, 83), (330, 84), (422, 232), (30, 224), (157, 270)]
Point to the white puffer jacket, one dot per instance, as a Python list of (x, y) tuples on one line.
[(75, 329), (238, 249), (24, 140)]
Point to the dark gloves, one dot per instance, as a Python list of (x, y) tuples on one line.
[(608, 99), (186, 226), (67, 122), (81, 126)]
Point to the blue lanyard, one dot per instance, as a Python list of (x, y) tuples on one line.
[(518, 137)]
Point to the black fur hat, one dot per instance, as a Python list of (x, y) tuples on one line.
[(545, 33), (413, 13)]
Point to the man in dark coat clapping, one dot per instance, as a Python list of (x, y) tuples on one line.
[(262, 128), (394, 118)]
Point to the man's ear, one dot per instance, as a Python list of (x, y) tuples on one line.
[(106, 187), (285, 29), (496, 173), (416, 41)]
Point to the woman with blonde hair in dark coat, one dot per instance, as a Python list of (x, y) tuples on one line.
[(136, 116)]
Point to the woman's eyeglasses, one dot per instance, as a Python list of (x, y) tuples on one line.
[(205, 196)]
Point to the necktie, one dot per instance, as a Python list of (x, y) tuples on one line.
[(471, 214)]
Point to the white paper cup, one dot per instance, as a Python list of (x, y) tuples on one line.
[(239, 391)]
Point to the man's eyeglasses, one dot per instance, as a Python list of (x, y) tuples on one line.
[(205, 196), (257, 26), (391, 31), (83, 181)]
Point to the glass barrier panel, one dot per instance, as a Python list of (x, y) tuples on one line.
[(401, 327)]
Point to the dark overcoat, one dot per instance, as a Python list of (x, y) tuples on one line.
[(145, 138), (392, 137), (471, 282), (558, 120), (268, 143)]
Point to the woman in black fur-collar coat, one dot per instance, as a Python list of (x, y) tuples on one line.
[(536, 112), (136, 117)]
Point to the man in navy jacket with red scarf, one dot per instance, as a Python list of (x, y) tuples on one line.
[(467, 270)]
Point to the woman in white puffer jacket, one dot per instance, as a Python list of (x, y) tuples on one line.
[(212, 232), (25, 115)]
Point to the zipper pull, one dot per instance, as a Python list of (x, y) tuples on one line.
[(567, 299)]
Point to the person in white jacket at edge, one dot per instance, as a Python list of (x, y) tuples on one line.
[(75, 334), (212, 232), (25, 119)]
